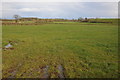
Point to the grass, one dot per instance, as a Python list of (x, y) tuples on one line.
[(87, 50)]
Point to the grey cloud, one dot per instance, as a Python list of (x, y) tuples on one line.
[(60, 9)]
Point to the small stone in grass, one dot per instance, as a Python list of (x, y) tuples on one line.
[(8, 46)]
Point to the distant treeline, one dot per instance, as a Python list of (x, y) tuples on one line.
[(39, 20)]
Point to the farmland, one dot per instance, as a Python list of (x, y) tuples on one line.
[(84, 50)]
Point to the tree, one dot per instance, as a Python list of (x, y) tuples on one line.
[(80, 19), (17, 17)]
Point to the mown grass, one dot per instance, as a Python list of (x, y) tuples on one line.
[(84, 50)]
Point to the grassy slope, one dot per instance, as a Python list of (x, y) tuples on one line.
[(84, 50), (114, 21)]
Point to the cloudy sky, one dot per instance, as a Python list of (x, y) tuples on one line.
[(67, 10)]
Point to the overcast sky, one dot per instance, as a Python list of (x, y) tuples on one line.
[(67, 10)]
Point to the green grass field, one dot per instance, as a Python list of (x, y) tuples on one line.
[(85, 50)]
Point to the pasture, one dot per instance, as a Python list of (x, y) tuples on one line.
[(84, 50)]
